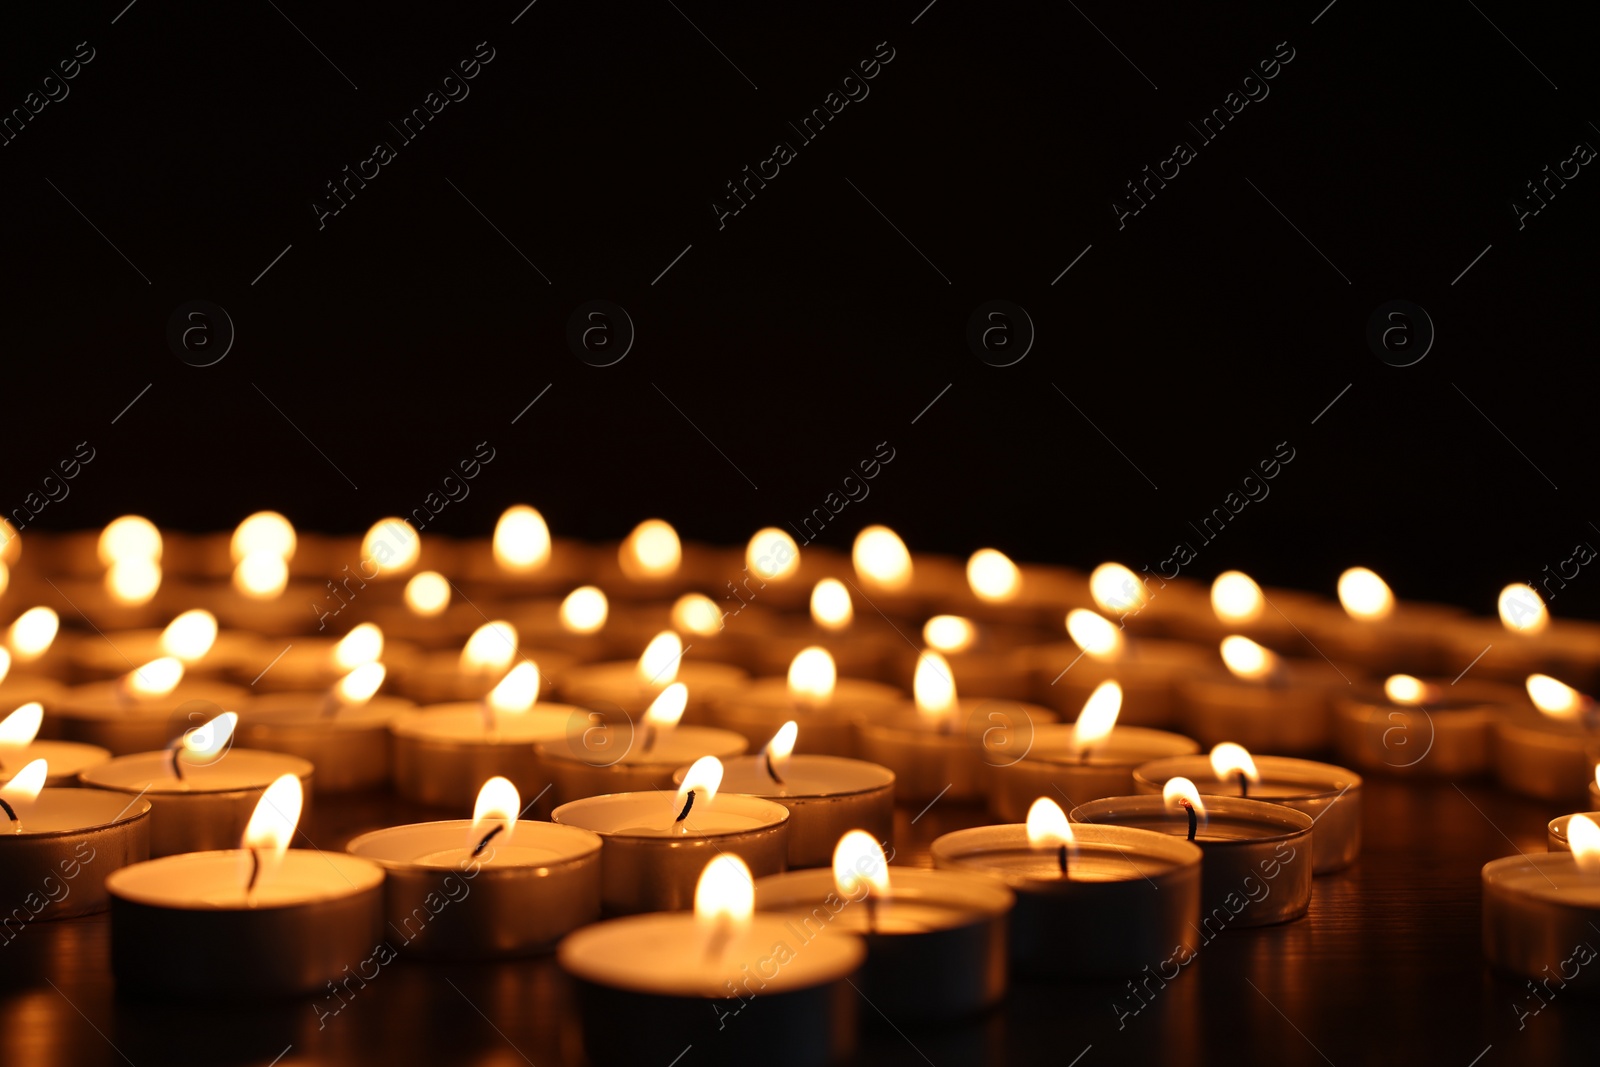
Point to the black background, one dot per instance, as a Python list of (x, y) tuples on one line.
[(808, 329)]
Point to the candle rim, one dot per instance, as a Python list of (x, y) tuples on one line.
[(1155, 774), (139, 809), (965, 848), (773, 816), (271, 765), (798, 761), (911, 884), (459, 826), (367, 878), (723, 748), (1557, 827), (1228, 810)]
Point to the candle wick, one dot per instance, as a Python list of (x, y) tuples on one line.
[(687, 804), (1193, 822), (487, 838), (1061, 859), (772, 772), (720, 935), (1244, 785), (11, 813), (649, 737), (255, 872), (172, 757)]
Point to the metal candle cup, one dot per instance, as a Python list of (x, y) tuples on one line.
[(1244, 842), (928, 762), (646, 992), (444, 754), (71, 840), (1538, 912), (1330, 796), (827, 728), (348, 746), (936, 943), (101, 713), (1539, 756), (1064, 676), (579, 768), (1556, 832), (651, 863), (826, 796), (1447, 737), (1291, 716), (181, 927), (526, 891), (1105, 919), (206, 809), (1052, 767)]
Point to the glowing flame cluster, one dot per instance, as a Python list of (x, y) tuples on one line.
[(262, 546), (427, 593), (1236, 598), (130, 548), (32, 633), (812, 677), (363, 644), (651, 552), (830, 605), (772, 555), (1364, 595), (1100, 638), (992, 576), (881, 558), (658, 664), (934, 689), (521, 540)]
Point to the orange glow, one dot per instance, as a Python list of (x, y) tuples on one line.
[(363, 644), (1584, 837), (781, 747), (133, 581), (1096, 635), (860, 869), (949, 633), (521, 540), (881, 558), (724, 900), (992, 576), (1098, 717), (1404, 689), (518, 690), (812, 676), (703, 778), (1365, 596), (1048, 826), (392, 546), (358, 687), (128, 539), (273, 823), (696, 613), (658, 664), (1180, 793), (934, 690), (499, 802), (772, 555), (264, 533), (155, 679), (584, 610), (23, 789), (1522, 610), (190, 636), (490, 649), (1229, 759), (830, 605), (1235, 598), (667, 708), (1250, 661), (261, 576), (1556, 699), (207, 743), (1116, 590), (428, 594), (651, 551), (32, 633), (18, 729)]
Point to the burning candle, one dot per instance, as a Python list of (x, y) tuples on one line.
[(1258, 862), (1416, 727), (1540, 751), (1525, 640), (285, 920), (985, 658), (829, 707), (657, 841), (442, 754), (58, 845), (631, 687), (1330, 796), (392, 547), (18, 748), (1086, 905), (31, 648), (1540, 911), (1264, 701), (826, 795), (192, 638), (1064, 674), (261, 547), (316, 663), (140, 711), (1379, 634), (201, 790), (916, 923), (605, 755), (495, 887), (343, 732), (472, 671), (651, 555), (130, 548), (1559, 830), (682, 980), (1085, 760), (859, 649)]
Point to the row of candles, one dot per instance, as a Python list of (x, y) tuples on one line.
[(656, 808)]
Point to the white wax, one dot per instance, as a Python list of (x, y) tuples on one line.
[(684, 744), (215, 881), (803, 776), (1282, 778), (918, 901), (450, 843), (67, 810), (239, 769), (464, 723), (65, 758), (653, 813), (1550, 877), (1124, 745), (1100, 853)]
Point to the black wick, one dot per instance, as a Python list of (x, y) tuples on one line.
[(1061, 859), (872, 913), (173, 751), (687, 804), (255, 872), (12, 812), (649, 737), (1193, 822), (487, 838), (772, 772), (1244, 784)]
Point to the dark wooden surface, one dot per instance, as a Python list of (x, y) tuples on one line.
[(1387, 967)]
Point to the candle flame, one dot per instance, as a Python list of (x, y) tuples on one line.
[(992, 576), (190, 636), (391, 545), (703, 778), (209, 741), (1228, 759), (934, 689), (652, 550), (860, 868), (265, 533), (1235, 597), (812, 676), (498, 801), (521, 539), (667, 708), (584, 610), (358, 687), (32, 633), (23, 789), (1404, 689), (724, 900), (1522, 610), (1180, 793), (1365, 596), (1556, 699), (772, 555), (18, 729), (1583, 835), (949, 633), (157, 678), (129, 538), (1116, 589), (133, 581), (1250, 661), (363, 644), (658, 664), (490, 649), (1048, 826), (830, 605), (273, 823), (5, 664), (696, 613), (880, 557), (1098, 717), (518, 690), (781, 747), (261, 575), (427, 593), (1095, 634)]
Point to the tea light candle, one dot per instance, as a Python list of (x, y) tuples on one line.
[(631, 687), (1085, 760), (936, 746), (1420, 728), (316, 663), (140, 712), (1250, 847), (192, 638), (657, 841), (860, 648), (1264, 701), (1065, 674), (1001, 591), (286, 921), (936, 940), (829, 707), (522, 558), (41, 655), (197, 806), (1540, 751), (1128, 898), (1380, 635), (717, 633), (1526, 640), (1558, 832), (343, 733), (1238, 605), (574, 625), (442, 754), (985, 658), (58, 845), (826, 795), (18, 747), (1330, 796), (501, 886), (1538, 910), (679, 980), (598, 756), (491, 650)]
